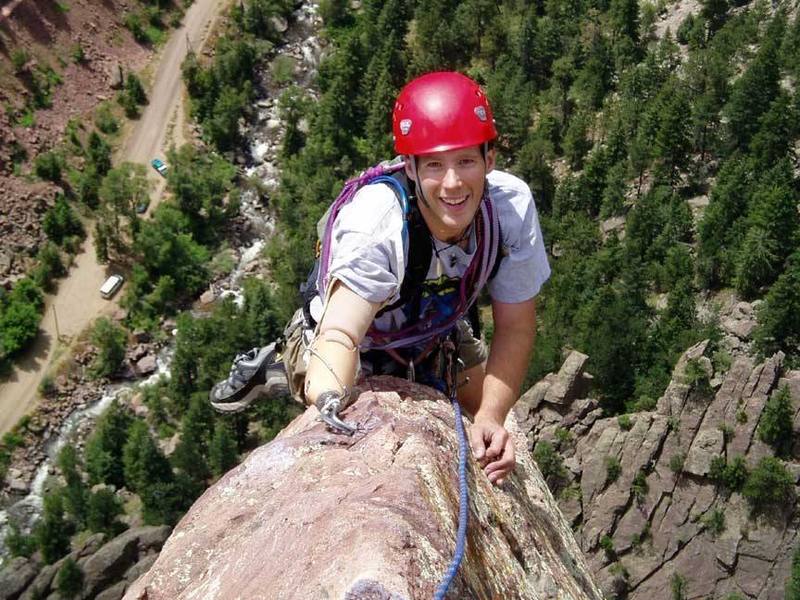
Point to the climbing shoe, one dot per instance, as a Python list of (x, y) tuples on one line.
[(253, 374)]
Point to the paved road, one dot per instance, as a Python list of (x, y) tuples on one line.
[(77, 302)]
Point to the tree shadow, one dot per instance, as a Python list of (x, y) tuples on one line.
[(8, 39), (27, 16), (28, 361), (50, 10)]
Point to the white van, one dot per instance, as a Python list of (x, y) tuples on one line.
[(111, 285)]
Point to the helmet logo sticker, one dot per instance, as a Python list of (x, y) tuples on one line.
[(405, 126), (480, 112)]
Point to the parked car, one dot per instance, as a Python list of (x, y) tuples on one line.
[(160, 166), (111, 286), (141, 207)]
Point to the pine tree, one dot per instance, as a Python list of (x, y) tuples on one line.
[(793, 585), (69, 579), (102, 511), (75, 492), (222, 453), (104, 448), (775, 425), (779, 316), (109, 339), (143, 461), (52, 532)]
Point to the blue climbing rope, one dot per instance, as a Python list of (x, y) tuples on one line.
[(451, 382), (463, 505)]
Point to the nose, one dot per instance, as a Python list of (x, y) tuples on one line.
[(451, 179)]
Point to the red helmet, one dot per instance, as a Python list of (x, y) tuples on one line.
[(441, 111)]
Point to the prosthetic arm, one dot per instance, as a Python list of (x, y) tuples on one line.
[(334, 357)]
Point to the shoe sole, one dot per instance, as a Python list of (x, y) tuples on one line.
[(274, 386)]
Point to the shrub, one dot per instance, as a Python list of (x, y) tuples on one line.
[(48, 166), (613, 469), (550, 464), (730, 476), (607, 545), (715, 521), (18, 543), (639, 487), (678, 587), (625, 423), (283, 69), (105, 120), (69, 580), (109, 339), (769, 486), (775, 426), (676, 462)]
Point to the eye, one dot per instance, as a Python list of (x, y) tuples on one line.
[(433, 164), (467, 162)]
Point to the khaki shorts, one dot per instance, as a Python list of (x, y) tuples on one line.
[(471, 350)]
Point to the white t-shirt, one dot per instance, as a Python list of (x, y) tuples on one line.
[(368, 254)]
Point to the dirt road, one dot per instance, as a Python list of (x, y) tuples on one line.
[(77, 302)]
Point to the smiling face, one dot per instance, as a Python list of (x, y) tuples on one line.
[(450, 185)]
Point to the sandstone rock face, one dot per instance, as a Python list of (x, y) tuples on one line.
[(317, 515), (661, 511)]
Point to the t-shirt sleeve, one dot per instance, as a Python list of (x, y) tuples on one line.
[(524, 267), (367, 253)]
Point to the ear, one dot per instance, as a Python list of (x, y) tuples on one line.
[(410, 167), (491, 157)]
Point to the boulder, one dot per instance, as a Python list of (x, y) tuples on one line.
[(569, 383), (107, 566), (16, 576), (372, 516), (707, 445), (115, 76), (146, 365)]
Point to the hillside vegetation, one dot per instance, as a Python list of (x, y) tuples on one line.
[(604, 120)]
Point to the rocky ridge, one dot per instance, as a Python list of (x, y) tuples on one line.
[(372, 516), (109, 567), (650, 524)]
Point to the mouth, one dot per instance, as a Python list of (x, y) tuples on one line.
[(454, 201)]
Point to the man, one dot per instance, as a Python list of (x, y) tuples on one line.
[(360, 309)]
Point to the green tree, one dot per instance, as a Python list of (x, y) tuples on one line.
[(753, 93), (779, 316), (75, 492), (550, 464), (20, 314), (769, 485), (99, 153), (104, 448), (52, 532), (102, 511), (793, 584), (60, 222), (17, 543), (191, 454), (109, 339), (69, 579), (48, 166), (775, 425), (222, 454), (123, 189), (143, 461)]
